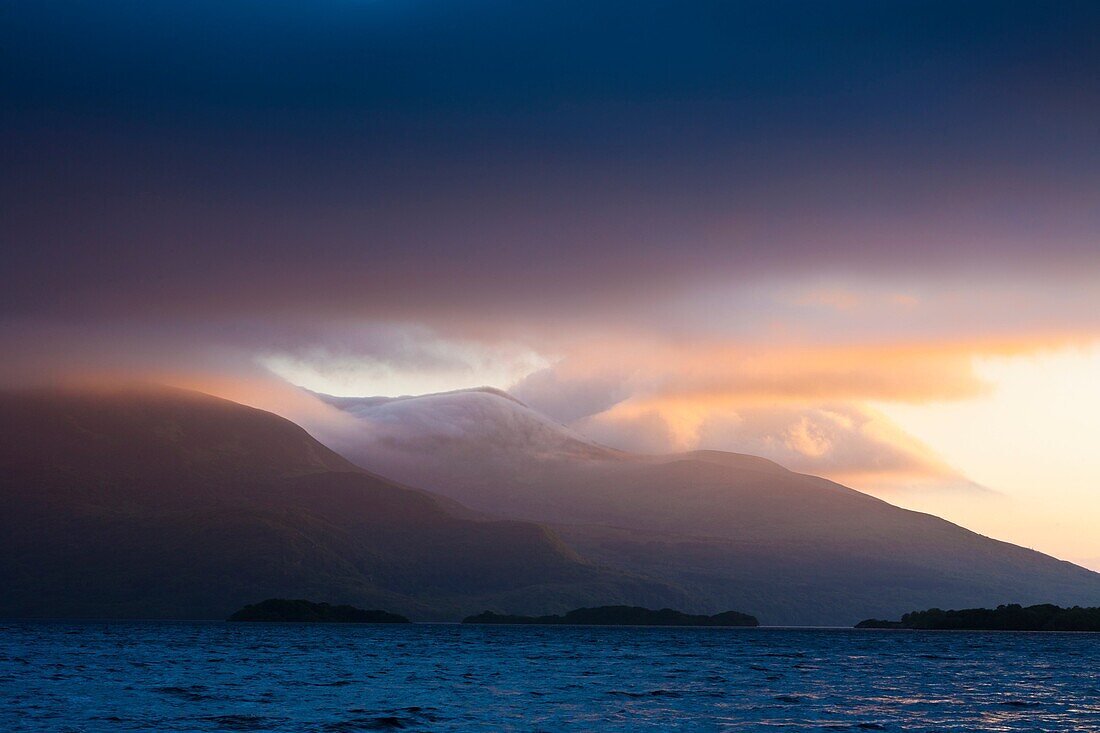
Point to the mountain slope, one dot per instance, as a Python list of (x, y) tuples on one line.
[(734, 531), (166, 503)]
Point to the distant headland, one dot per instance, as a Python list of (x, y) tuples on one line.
[(1014, 617), (619, 616), (282, 609)]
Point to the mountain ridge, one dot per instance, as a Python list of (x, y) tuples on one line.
[(169, 503), (736, 531)]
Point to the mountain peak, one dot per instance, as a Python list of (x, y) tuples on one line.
[(345, 402), (481, 421)]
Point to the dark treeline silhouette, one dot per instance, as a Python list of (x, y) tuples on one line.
[(1014, 617), (282, 609), (620, 616)]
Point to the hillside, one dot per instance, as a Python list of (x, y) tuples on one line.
[(734, 531), (150, 502)]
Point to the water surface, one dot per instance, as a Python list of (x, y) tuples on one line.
[(119, 676)]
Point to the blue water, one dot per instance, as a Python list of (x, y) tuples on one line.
[(215, 676)]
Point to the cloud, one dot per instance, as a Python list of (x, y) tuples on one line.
[(749, 237), (718, 372), (801, 403), (645, 431), (391, 359), (849, 444), (803, 406), (841, 300), (837, 440), (567, 399)]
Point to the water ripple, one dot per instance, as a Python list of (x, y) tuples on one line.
[(100, 677)]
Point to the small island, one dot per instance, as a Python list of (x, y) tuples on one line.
[(619, 616), (1014, 617), (300, 611)]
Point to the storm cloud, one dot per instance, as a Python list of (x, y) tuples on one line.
[(726, 224)]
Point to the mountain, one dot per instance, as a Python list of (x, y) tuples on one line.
[(154, 502), (482, 444), (733, 531)]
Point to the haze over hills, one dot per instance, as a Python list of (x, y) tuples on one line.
[(489, 421), (166, 503), (154, 502), (734, 531)]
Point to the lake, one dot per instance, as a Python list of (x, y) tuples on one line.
[(198, 676)]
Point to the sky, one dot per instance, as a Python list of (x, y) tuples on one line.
[(860, 238)]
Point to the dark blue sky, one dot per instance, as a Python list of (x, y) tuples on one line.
[(323, 155), (332, 58)]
